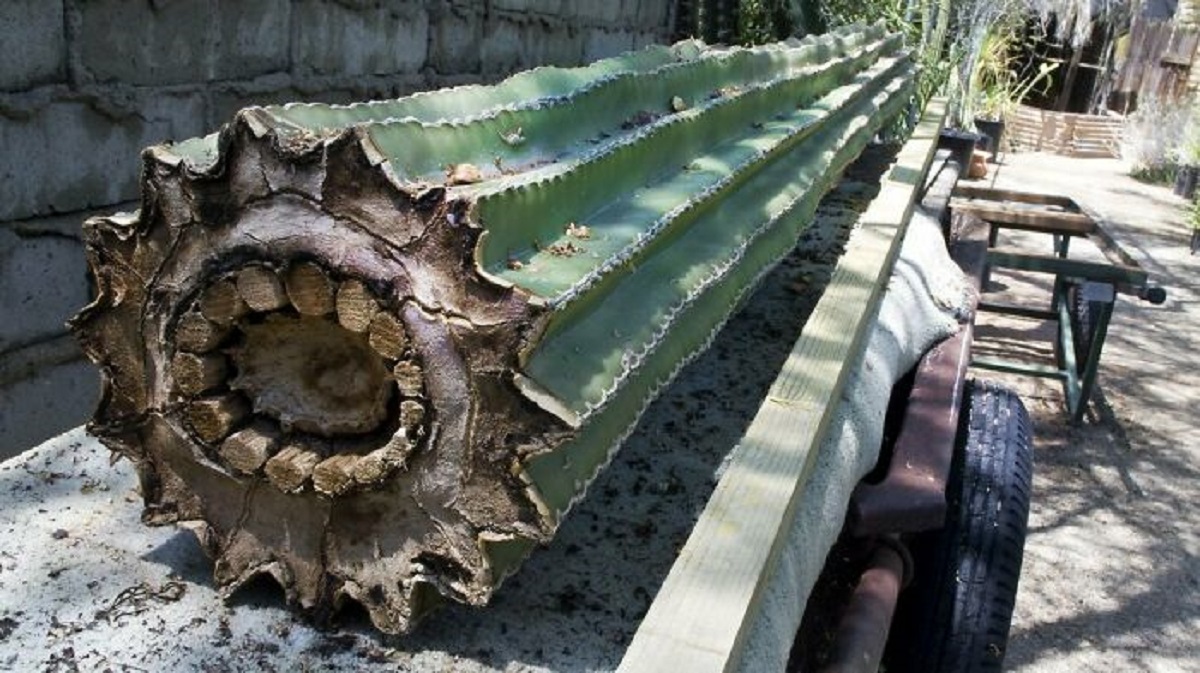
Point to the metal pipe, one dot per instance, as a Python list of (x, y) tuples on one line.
[(861, 635)]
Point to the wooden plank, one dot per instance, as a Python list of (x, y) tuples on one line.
[(1027, 219), (1063, 132), (1001, 208), (700, 617), (1111, 273), (1001, 195)]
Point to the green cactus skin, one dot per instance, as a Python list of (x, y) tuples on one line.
[(723, 252), (377, 351)]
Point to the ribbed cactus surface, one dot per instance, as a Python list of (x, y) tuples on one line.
[(376, 351)]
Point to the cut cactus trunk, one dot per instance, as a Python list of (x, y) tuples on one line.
[(377, 351)]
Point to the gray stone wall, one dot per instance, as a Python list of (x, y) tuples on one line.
[(86, 84)]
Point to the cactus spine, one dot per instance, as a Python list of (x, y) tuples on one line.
[(377, 351)]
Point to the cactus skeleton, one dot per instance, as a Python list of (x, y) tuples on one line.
[(376, 351)]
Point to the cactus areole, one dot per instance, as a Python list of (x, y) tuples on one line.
[(378, 350)]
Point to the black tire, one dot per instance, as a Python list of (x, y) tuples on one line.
[(956, 615)]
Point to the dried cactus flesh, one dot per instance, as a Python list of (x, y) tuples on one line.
[(377, 351)]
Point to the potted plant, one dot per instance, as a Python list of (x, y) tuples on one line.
[(997, 87), (1187, 157)]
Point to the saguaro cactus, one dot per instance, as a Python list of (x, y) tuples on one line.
[(377, 350)]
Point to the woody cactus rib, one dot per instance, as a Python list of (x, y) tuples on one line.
[(377, 351)]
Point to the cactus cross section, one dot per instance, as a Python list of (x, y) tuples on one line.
[(377, 351)]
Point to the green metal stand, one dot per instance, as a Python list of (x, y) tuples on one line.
[(1083, 294)]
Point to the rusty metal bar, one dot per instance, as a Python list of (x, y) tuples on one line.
[(863, 631), (911, 497)]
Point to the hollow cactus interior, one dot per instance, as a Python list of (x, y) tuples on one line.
[(378, 350)]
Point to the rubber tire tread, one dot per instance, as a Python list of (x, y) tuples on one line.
[(973, 565)]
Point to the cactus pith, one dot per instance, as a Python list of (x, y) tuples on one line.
[(376, 351)]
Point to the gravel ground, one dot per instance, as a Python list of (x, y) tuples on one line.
[(1111, 568)]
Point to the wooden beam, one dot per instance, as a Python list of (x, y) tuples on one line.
[(1064, 96), (1108, 245), (1001, 195), (1026, 218), (984, 202), (700, 617)]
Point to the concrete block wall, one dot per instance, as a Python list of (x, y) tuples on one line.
[(86, 84)]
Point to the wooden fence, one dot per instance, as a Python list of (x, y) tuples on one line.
[(1069, 134), (1158, 61)]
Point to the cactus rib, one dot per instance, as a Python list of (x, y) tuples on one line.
[(646, 355)]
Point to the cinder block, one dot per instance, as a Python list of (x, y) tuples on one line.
[(53, 401), (642, 39), (67, 155), (253, 38), (226, 101), (652, 15), (334, 39), (376, 88), (455, 36), (546, 44), (43, 282), (593, 12), (33, 46), (501, 48), (600, 43), (435, 81), (69, 225), (147, 43), (511, 43)]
